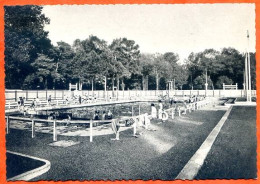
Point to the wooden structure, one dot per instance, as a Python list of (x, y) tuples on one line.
[(230, 87), (73, 86)]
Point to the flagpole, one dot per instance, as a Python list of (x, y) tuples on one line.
[(246, 78), (206, 84), (249, 72)]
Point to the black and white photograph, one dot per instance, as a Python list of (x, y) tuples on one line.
[(130, 92)]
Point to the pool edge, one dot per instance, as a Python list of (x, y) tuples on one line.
[(26, 176)]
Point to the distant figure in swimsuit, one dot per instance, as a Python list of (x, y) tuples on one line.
[(49, 100), (109, 115), (153, 111), (96, 115), (104, 115)]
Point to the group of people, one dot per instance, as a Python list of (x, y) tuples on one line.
[(161, 115), (78, 99), (104, 116), (141, 122)]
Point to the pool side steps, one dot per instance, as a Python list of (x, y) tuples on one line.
[(32, 173)]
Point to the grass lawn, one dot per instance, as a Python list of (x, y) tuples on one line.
[(159, 154), (233, 154)]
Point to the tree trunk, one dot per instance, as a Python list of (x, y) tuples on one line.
[(95, 85), (54, 82), (105, 87), (46, 83), (147, 82), (117, 82), (143, 82), (123, 84), (92, 86), (117, 89), (157, 81), (113, 86)]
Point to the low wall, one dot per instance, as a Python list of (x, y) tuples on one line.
[(13, 95)]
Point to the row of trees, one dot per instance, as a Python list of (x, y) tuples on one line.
[(32, 62)]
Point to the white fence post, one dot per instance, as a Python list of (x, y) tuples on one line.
[(90, 132), (172, 113), (7, 124), (54, 131), (33, 129)]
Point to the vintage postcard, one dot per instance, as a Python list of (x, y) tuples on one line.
[(114, 92)]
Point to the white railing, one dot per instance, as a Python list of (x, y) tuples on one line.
[(13, 95)]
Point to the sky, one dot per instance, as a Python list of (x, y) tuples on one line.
[(179, 28)]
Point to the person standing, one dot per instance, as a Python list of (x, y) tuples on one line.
[(49, 100), (79, 99), (160, 110), (33, 103), (153, 111), (160, 104)]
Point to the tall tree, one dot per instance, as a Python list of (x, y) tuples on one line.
[(92, 59), (126, 54), (146, 66), (24, 39), (45, 71)]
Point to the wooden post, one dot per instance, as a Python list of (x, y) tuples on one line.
[(172, 113), (54, 131), (33, 129), (26, 95), (179, 112), (90, 132), (7, 125), (139, 110), (134, 128), (132, 110), (15, 94), (9, 105)]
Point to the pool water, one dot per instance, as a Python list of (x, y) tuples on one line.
[(17, 164), (86, 113)]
